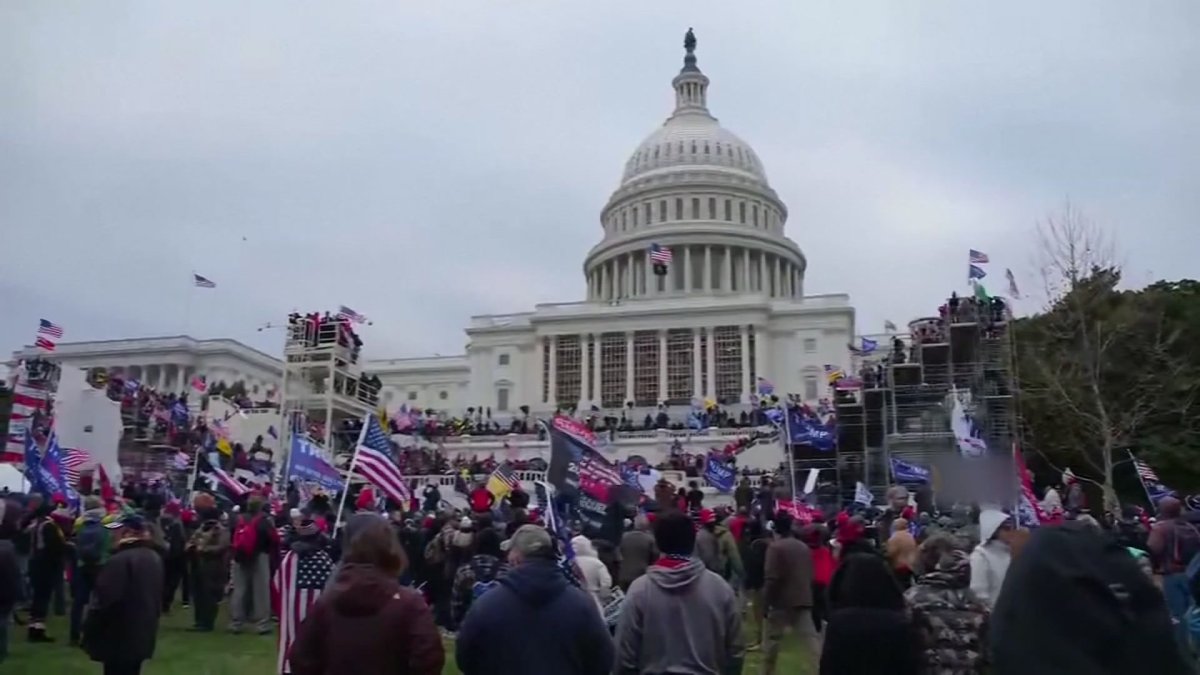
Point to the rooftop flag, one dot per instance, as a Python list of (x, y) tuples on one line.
[(660, 255), (977, 257), (43, 344), (202, 282), (49, 329), (348, 314), (975, 272)]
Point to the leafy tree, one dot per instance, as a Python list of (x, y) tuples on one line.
[(1104, 371)]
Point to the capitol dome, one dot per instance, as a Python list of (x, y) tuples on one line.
[(699, 190)]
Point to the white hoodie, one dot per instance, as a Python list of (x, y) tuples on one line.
[(596, 578), (990, 559)]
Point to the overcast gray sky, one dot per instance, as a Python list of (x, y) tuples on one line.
[(423, 162)]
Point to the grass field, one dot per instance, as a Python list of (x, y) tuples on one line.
[(219, 653)]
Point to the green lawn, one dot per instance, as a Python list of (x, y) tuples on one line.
[(183, 653)]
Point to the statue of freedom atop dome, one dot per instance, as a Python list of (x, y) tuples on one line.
[(689, 41)]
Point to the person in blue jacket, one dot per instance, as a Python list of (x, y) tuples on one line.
[(533, 620)]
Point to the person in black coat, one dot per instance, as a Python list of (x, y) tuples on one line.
[(868, 608), (122, 621)]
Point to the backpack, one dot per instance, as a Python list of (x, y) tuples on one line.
[(245, 539), (91, 543)]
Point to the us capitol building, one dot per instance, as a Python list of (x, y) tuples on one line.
[(730, 309)]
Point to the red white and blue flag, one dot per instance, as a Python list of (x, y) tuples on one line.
[(977, 257), (373, 462), (298, 583), (660, 255), (43, 344), (202, 282), (49, 328), (348, 314), (74, 461)]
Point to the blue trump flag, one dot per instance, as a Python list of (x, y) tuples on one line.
[(906, 472), (306, 464), (718, 474), (45, 471), (808, 431)]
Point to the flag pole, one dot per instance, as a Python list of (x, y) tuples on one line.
[(787, 447), (362, 434), (1142, 481), (195, 472)]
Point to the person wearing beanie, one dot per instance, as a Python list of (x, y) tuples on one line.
[(92, 546), (679, 616), (303, 573)]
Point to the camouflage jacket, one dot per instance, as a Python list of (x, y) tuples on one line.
[(952, 622)]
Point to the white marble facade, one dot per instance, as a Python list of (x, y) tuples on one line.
[(731, 308)]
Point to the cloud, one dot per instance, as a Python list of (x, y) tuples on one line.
[(423, 163)]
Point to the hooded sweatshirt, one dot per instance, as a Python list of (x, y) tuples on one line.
[(596, 578), (990, 559), (367, 623), (679, 618), (533, 621)]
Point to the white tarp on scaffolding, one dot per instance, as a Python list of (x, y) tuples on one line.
[(85, 418)]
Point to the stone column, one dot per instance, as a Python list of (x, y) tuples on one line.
[(728, 265), (747, 385), (180, 379), (778, 276), (711, 366), (648, 273), (584, 387), (553, 393), (687, 269), (764, 279), (629, 366), (596, 367), (637, 277), (708, 275), (662, 365), (762, 342), (697, 392), (603, 272)]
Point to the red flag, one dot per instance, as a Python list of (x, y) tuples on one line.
[(107, 493)]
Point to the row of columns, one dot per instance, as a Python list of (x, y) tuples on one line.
[(631, 275), (175, 377), (704, 383)]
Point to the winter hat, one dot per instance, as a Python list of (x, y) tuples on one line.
[(990, 520)]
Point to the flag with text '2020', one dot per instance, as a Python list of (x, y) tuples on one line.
[(374, 462)]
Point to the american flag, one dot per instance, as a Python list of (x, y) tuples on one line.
[(50, 328), (660, 255), (345, 312), (977, 257), (73, 461), (43, 344), (210, 476), (201, 282), (1144, 471), (298, 582), (374, 463), (198, 384)]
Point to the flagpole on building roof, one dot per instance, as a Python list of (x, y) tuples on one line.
[(362, 435)]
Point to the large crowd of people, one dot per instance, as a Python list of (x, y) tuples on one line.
[(671, 586)]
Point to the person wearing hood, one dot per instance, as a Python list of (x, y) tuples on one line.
[(1075, 601), (596, 579), (92, 547), (479, 574), (121, 627), (637, 552), (350, 529), (533, 620), (952, 621), (708, 546), (175, 553), (679, 617), (869, 631), (367, 622), (302, 575), (48, 549), (1174, 540), (990, 559), (787, 594)]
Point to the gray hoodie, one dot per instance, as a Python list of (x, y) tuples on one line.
[(682, 619)]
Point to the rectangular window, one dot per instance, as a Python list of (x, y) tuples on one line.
[(612, 370), (568, 369), (728, 211), (502, 399), (695, 208), (810, 387), (635, 216), (678, 209), (712, 208), (810, 345), (727, 357), (645, 368), (662, 210), (647, 208), (624, 218), (545, 370), (754, 211), (502, 360), (742, 212), (412, 395), (679, 366)]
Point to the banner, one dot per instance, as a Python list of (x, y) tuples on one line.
[(307, 464), (806, 430), (906, 472), (718, 474), (800, 510), (568, 440), (862, 494)]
